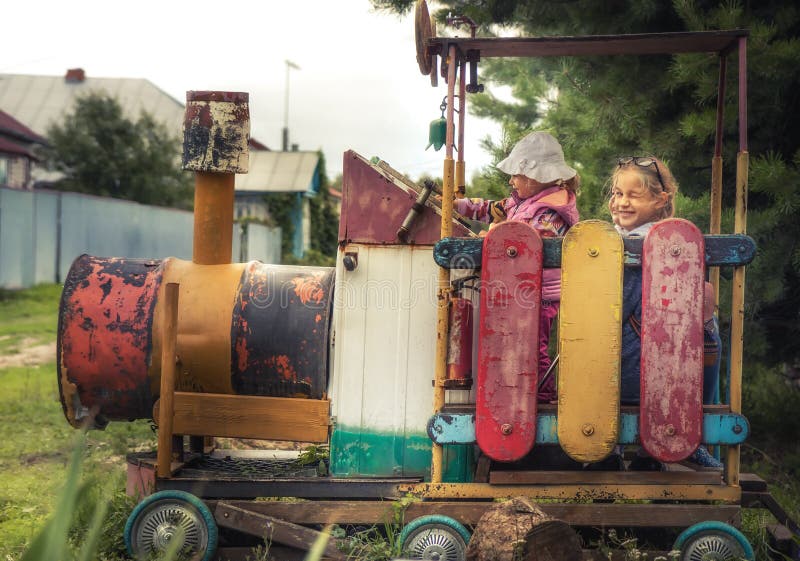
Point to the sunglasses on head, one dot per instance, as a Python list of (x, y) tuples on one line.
[(643, 162)]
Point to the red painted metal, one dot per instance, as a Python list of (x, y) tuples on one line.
[(459, 344), (508, 350), (374, 207), (671, 405), (105, 338)]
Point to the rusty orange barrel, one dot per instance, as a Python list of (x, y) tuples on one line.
[(243, 328)]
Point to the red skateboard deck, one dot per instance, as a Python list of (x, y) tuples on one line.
[(508, 345), (671, 407)]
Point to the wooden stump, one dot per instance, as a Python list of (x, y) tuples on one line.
[(518, 530)]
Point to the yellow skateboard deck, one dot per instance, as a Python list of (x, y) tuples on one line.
[(590, 332)]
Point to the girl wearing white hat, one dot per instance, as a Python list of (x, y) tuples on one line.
[(543, 195)]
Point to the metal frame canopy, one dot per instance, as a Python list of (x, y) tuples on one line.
[(449, 56), (635, 44)]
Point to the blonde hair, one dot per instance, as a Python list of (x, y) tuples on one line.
[(656, 178)]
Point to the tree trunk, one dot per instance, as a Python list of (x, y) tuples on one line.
[(518, 530)]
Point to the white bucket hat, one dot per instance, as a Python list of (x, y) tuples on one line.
[(538, 156)]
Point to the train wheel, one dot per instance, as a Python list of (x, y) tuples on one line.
[(713, 541), (169, 515), (435, 537)]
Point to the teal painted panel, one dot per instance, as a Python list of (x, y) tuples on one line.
[(459, 428), (356, 453)]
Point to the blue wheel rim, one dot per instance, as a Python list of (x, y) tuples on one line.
[(164, 510)]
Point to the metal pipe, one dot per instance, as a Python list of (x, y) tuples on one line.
[(215, 146), (737, 300), (213, 218), (443, 290), (460, 185), (716, 171)]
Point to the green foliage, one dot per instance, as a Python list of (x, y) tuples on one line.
[(102, 152), (324, 223), (281, 207)]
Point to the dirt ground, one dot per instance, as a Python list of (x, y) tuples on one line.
[(32, 355)]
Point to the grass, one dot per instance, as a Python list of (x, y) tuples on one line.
[(30, 314), (35, 440)]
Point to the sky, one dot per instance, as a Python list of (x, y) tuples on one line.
[(358, 85)]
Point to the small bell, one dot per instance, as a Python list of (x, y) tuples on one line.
[(437, 135)]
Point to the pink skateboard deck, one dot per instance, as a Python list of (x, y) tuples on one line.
[(508, 345), (671, 407)]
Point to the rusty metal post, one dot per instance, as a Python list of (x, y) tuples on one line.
[(443, 296), (737, 285), (461, 182), (215, 146), (716, 171)]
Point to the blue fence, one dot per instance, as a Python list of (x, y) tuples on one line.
[(42, 232)]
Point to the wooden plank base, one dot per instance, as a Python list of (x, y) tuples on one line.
[(247, 416), (469, 512)]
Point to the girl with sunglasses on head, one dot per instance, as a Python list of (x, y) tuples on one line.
[(543, 191), (642, 193)]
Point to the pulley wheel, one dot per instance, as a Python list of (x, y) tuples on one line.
[(713, 541), (422, 32), (166, 516), (435, 537)]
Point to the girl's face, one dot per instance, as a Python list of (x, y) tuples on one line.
[(527, 187), (632, 204)]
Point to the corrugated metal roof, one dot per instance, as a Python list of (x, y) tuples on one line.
[(280, 172), (39, 101)]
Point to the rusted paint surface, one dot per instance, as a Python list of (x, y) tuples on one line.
[(590, 335), (105, 338), (508, 349), (459, 344), (280, 329), (216, 132), (374, 207), (672, 340)]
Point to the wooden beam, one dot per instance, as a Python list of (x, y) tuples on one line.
[(272, 529), (169, 339), (605, 477), (452, 491), (469, 512), (245, 416)]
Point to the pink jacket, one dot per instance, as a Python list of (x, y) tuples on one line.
[(526, 210)]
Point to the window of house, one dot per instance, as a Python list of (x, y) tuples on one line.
[(3, 171)]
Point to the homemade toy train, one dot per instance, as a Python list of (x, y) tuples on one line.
[(347, 356)]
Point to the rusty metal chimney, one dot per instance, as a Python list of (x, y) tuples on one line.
[(216, 131)]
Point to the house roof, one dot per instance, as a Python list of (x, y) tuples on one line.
[(10, 127), (280, 172), (8, 146), (39, 101)]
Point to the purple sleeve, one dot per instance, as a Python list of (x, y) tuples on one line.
[(549, 223), (474, 209)]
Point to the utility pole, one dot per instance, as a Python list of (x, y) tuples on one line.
[(289, 65)]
